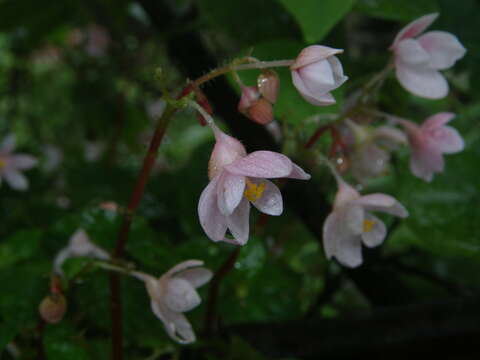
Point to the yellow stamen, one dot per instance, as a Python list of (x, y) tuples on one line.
[(2, 163), (368, 225), (253, 192)]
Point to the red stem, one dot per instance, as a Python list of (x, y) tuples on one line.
[(316, 135), (115, 285)]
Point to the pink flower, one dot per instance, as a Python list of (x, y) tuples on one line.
[(350, 223), (316, 72), (371, 151), (79, 245), (428, 141), (174, 293), (417, 60), (11, 164), (236, 180)]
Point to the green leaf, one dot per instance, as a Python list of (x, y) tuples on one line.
[(7, 333), (61, 342), (397, 10), (316, 18), (248, 21), (20, 246)]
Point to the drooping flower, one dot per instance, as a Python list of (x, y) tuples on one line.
[(174, 293), (429, 141), (419, 59), (316, 72), (370, 155), (350, 223), (78, 245), (12, 164), (238, 179)]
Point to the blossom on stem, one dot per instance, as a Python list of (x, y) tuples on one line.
[(429, 141), (419, 59), (238, 179), (78, 245), (371, 148), (174, 293), (316, 72), (350, 223), (12, 164)]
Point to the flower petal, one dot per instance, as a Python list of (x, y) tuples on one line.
[(341, 244), (425, 162), (449, 141), (23, 162), (422, 82), (175, 323), (270, 202), (443, 47), (318, 77), (382, 202), (180, 295), (230, 190), (183, 266), (15, 179), (314, 99), (298, 173), (437, 120), (239, 222), (312, 54), (8, 144), (211, 219), (376, 234), (262, 164), (411, 52), (414, 28), (197, 277)]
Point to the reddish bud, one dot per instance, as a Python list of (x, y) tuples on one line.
[(268, 85), (250, 95), (261, 112), (53, 308)]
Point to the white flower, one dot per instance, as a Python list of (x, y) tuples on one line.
[(11, 164), (316, 72), (174, 293), (419, 59)]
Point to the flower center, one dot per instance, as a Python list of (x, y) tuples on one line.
[(3, 163), (368, 225), (253, 192)]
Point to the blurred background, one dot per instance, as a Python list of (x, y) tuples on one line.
[(79, 91)]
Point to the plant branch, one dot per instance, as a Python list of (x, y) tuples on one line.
[(211, 319)]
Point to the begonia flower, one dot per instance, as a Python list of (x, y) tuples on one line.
[(350, 223), (238, 179), (418, 59), (316, 72), (174, 293), (12, 164), (78, 245), (429, 141), (371, 150)]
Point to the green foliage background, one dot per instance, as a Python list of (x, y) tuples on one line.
[(53, 92)]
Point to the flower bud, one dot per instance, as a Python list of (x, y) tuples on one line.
[(53, 308), (268, 85), (316, 72), (261, 112), (249, 96)]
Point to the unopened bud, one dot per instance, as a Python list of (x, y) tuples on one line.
[(250, 95), (53, 308), (268, 85), (261, 112)]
